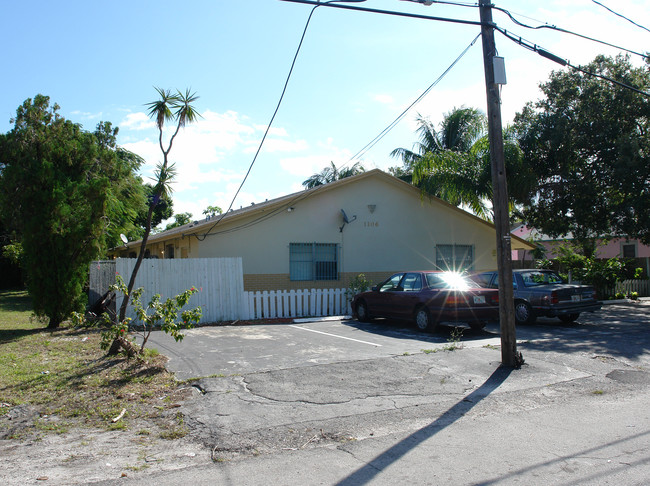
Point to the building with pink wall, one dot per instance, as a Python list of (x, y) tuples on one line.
[(614, 248)]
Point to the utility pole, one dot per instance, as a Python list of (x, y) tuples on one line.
[(509, 355)]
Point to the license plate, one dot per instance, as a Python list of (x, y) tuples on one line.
[(479, 299), (575, 298)]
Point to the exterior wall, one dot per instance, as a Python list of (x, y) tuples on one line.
[(391, 228), (254, 282), (606, 248)]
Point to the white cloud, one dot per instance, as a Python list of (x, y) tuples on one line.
[(275, 145), (137, 121), (87, 115)]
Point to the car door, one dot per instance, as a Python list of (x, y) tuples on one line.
[(387, 297), (404, 302)]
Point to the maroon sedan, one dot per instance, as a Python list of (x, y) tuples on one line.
[(427, 298)]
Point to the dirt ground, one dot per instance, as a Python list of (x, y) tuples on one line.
[(85, 456)]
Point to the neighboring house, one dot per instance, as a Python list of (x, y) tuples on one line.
[(614, 248), (371, 223)]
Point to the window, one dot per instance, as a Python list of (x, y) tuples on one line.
[(629, 251), (455, 258), (412, 282), (313, 261)]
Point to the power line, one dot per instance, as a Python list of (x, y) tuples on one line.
[(563, 62), (386, 12), (277, 108), (565, 31), (386, 130), (620, 15)]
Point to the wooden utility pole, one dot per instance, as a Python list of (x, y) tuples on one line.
[(509, 355)]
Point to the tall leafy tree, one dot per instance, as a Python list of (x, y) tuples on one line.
[(453, 162), (587, 141), (331, 174), (179, 220), (57, 183)]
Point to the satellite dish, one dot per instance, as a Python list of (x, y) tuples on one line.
[(346, 220), (124, 239)]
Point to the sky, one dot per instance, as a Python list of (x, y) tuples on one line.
[(355, 73)]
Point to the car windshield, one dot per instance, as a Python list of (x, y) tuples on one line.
[(533, 279), (448, 280)]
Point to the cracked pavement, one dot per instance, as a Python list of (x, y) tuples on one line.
[(380, 403)]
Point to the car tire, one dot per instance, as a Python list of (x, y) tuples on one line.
[(362, 312), (567, 318), (477, 325), (422, 319), (524, 313)]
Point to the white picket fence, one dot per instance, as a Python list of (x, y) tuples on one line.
[(221, 285), (641, 287), (296, 303)]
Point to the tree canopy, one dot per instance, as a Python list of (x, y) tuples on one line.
[(587, 141), (453, 163), (331, 174), (58, 185)]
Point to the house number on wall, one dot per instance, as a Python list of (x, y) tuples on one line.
[(370, 224)]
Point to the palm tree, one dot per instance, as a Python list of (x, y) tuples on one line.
[(453, 163), (170, 107), (331, 174)]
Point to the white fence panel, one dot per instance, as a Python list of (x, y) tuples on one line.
[(642, 287), (220, 282), (296, 303)]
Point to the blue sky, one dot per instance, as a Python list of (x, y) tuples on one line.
[(355, 73)]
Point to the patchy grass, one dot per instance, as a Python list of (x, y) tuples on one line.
[(69, 380)]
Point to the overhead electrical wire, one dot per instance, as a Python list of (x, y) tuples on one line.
[(399, 118), (277, 108), (563, 62), (565, 31), (515, 38), (620, 15)]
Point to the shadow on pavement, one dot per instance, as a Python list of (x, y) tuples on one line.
[(402, 330), (615, 331), (369, 471)]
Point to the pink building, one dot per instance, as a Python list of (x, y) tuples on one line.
[(614, 248)]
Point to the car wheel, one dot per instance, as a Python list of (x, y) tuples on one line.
[(423, 319), (477, 325), (524, 313), (362, 312), (566, 318)]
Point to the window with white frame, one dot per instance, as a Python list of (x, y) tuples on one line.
[(455, 258), (313, 261), (628, 250)]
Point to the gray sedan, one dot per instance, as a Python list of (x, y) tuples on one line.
[(544, 293)]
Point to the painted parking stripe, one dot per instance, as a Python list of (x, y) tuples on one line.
[(334, 335)]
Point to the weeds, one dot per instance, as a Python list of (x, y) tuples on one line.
[(66, 377)]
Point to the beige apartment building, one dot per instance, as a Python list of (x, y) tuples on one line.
[(372, 223)]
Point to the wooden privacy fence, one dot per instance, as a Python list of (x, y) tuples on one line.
[(221, 289), (220, 282), (296, 303)]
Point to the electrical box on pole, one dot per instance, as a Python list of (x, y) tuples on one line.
[(509, 354)]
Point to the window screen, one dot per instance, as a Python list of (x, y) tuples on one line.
[(629, 251), (455, 258), (313, 261)]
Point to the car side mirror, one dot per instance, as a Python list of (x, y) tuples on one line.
[(375, 288)]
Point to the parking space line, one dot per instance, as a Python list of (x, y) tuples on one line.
[(334, 335)]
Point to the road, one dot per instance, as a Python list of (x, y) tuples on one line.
[(341, 402)]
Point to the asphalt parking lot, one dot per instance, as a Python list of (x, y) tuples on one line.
[(349, 403), (224, 350)]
